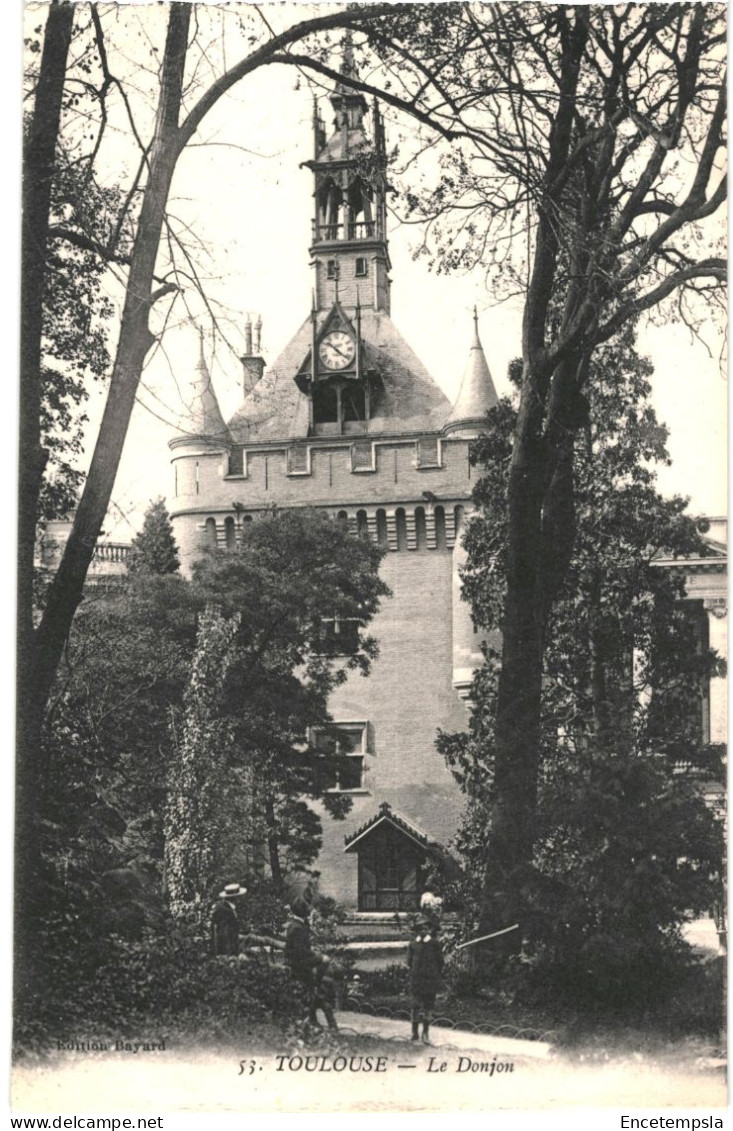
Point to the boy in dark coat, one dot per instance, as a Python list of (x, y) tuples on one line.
[(425, 959)]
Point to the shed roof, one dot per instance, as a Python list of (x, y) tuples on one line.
[(386, 816)]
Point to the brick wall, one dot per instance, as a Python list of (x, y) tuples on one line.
[(408, 695), (410, 692), (203, 489), (371, 289)]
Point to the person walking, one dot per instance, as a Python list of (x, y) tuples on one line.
[(225, 921), (425, 960)]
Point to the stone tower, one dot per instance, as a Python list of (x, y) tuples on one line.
[(348, 420)]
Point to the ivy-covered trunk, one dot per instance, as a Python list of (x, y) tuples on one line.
[(520, 682), (541, 528), (196, 816)]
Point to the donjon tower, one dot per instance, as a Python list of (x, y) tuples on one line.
[(348, 420)]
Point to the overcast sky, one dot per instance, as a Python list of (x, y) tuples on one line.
[(246, 198)]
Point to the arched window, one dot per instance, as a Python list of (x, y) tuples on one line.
[(382, 536), (401, 522), (458, 515), (211, 533), (330, 202), (421, 533), (359, 200), (229, 536), (362, 524), (440, 541), (343, 519)]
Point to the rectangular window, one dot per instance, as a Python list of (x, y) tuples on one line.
[(330, 268), (340, 637), (325, 404), (236, 461), (299, 460), (428, 451), (361, 266), (347, 742)]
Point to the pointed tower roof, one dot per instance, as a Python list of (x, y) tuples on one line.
[(202, 419), (477, 393)]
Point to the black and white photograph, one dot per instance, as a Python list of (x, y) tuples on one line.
[(371, 562)]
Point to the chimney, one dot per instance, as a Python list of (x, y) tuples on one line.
[(253, 364)]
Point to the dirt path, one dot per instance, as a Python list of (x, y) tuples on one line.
[(462, 1073)]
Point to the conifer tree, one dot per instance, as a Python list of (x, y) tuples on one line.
[(625, 848), (154, 549)]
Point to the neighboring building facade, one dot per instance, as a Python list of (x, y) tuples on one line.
[(107, 567), (348, 420)]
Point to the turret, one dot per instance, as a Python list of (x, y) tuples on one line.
[(202, 419), (476, 394), (203, 438)]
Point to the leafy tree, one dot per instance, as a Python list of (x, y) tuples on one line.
[(78, 96), (178, 737), (590, 184), (154, 549), (68, 90), (293, 572), (625, 848), (76, 313)]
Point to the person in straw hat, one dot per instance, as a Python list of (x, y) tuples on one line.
[(225, 920)]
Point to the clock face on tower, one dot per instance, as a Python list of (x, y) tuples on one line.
[(337, 350)]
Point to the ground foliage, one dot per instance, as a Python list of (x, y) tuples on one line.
[(163, 672), (626, 849)]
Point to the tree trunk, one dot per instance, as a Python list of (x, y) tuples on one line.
[(541, 530), (40, 652), (134, 342), (520, 680), (273, 848), (39, 156)]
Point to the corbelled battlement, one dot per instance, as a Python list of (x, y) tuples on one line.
[(405, 493)]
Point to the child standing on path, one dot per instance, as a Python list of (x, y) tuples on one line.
[(425, 960)]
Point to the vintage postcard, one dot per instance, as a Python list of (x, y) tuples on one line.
[(372, 562)]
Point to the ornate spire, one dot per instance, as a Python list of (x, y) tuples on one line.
[(350, 105), (477, 393)]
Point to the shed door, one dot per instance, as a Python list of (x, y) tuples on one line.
[(390, 871)]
